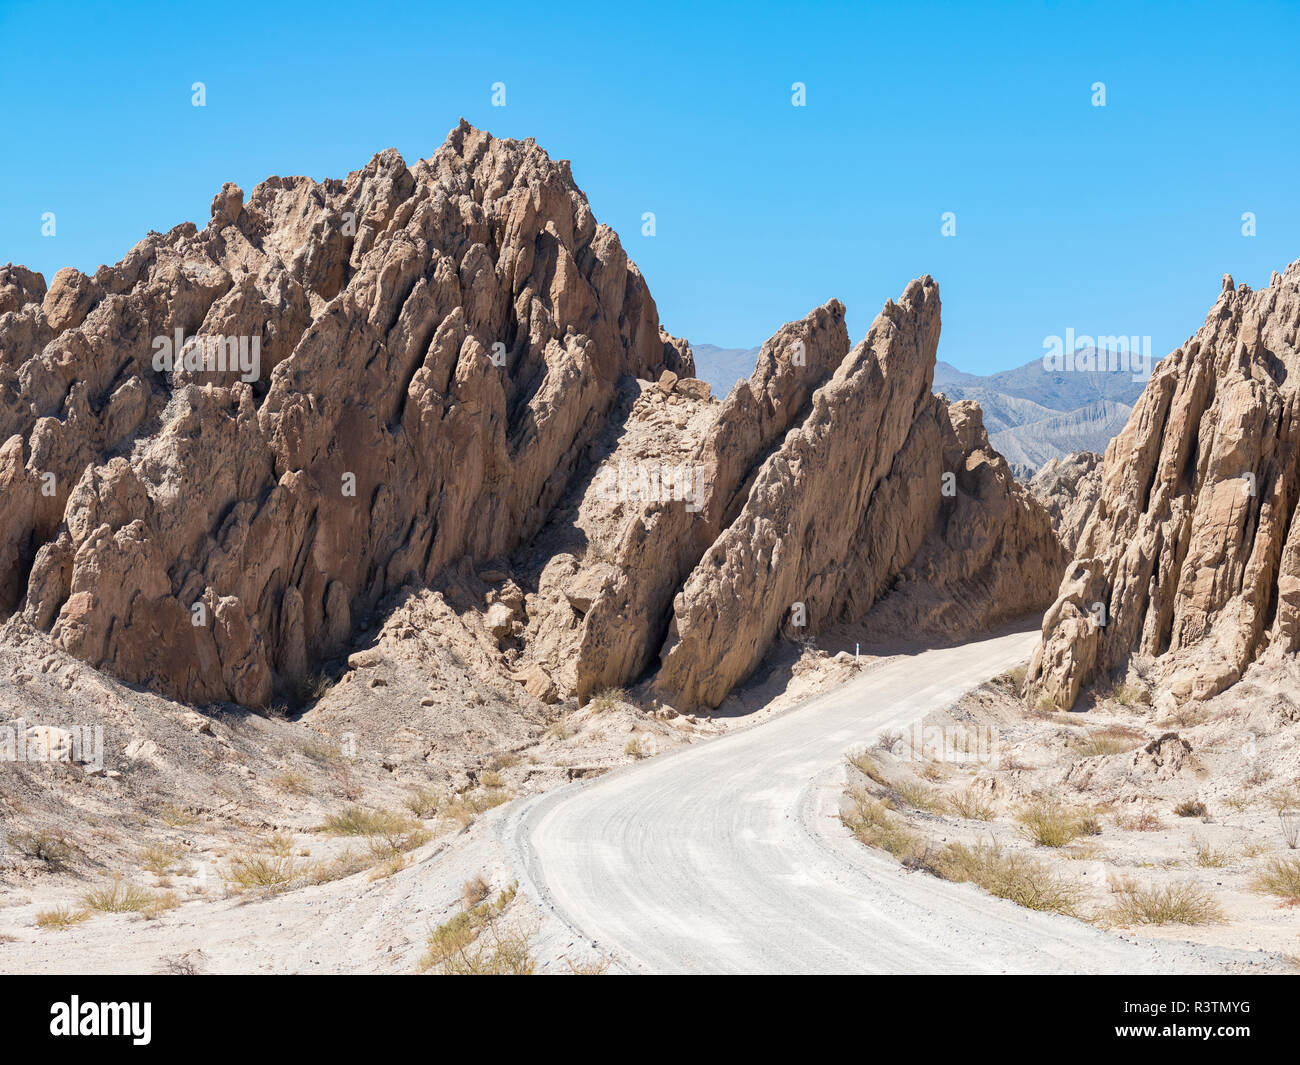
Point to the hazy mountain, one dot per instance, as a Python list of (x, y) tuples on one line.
[(723, 367), (1034, 414)]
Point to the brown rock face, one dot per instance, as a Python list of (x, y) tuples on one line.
[(1193, 554), (1069, 489), (623, 629), (451, 375), (426, 352), (881, 489)]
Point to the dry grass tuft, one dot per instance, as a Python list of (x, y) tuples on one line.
[(473, 943), (606, 700), (362, 821), (972, 806), (174, 816), (1106, 742), (865, 763), (1050, 823), (273, 872), (424, 802), (120, 896), (919, 797), (1208, 857), (1024, 880), (293, 782), (1183, 903), (50, 848), (159, 859), (1279, 876), (871, 822), (465, 807), (61, 918)]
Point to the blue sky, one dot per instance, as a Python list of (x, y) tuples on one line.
[(1110, 220)]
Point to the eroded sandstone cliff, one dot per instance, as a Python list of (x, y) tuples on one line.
[(459, 380), (213, 536), (1192, 554)]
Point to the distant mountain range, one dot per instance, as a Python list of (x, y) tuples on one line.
[(723, 367), (1032, 414)]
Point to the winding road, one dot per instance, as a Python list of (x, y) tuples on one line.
[(727, 856)]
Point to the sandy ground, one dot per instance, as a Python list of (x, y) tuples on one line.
[(1155, 798), (727, 855)]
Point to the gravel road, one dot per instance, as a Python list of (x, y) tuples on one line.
[(727, 856)]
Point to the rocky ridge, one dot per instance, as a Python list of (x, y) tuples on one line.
[(459, 380), (1192, 555)]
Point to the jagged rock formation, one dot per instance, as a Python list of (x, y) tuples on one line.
[(1069, 489), (852, 505), (463, 384), (1193, 553), (214, 536)]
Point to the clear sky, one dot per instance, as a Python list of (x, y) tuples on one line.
[(1109, 220)]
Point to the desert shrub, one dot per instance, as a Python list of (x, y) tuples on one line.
[(362, 821), (313, 687), (424, 802), (972, 806), (1208, 857), (1289, 818), (465, 807), (1182, 903), (607, 699), (1282, 799), (476, 889), (887, 741), (1088, 825), (1128, 694), (1279, 876), (174, 816), (870, 821), (347, 864), (61, 918), (321, 751), (1105, 742), (292, 781), (1146, 821), (119, 896), (389, 845), (47, 847), (495, 953), (1049, 823), (261, 871), (1024, 880), (637, 748), (1191, 808), (455, 947), (918, 797), (865, 763), (159, 858)]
